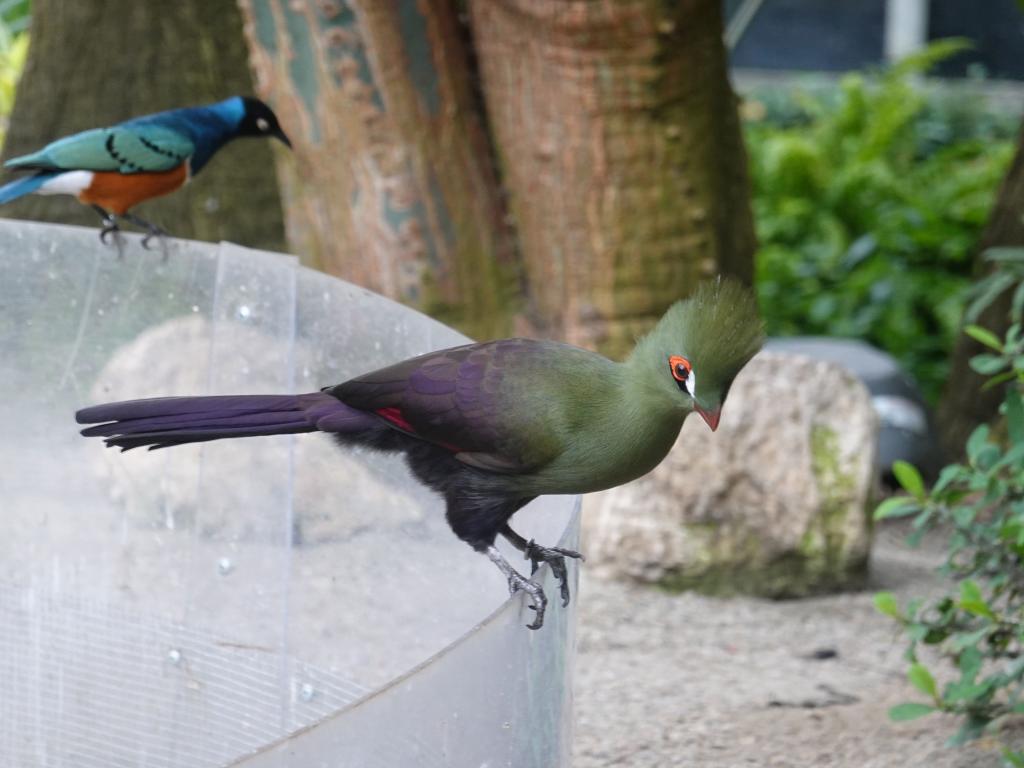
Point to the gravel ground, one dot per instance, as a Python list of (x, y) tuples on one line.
[(684, 680)]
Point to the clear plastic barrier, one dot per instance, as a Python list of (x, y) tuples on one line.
[(264, 602)]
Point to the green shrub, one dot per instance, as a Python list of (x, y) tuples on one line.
[(868, 202), (979, 627), (13, 50)]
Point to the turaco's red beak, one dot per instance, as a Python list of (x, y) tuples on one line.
[(711, 417)]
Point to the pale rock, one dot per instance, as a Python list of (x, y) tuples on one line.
[(776, 502), (242, 484)]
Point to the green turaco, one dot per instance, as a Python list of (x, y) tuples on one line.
[(491, 426)]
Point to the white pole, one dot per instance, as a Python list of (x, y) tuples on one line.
[(906, 27)]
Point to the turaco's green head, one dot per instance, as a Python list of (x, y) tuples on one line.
[(690, 358)]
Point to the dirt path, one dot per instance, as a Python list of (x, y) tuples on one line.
[(683, 680)]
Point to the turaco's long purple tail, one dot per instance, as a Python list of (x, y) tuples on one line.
[(165, 421)]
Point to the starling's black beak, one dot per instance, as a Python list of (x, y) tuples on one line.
[(280, 134)]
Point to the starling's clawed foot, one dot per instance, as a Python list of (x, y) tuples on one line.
[(517, 582), (110, 234), (555, 556), (152, 230)]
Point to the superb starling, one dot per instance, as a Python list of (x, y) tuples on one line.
[(113, 169), (491, 426)]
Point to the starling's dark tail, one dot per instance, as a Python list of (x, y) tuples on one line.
[(164, 421)]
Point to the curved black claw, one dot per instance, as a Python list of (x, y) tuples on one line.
[(152, 230), (555, 556), (112, 231), (157, 233), (517, 582)]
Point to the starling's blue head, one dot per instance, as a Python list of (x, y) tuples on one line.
[(259, 120)]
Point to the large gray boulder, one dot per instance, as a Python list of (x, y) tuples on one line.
[(334, 492), (775, 503)]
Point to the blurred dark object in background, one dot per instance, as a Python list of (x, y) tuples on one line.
[(837, 36), (905, 428)]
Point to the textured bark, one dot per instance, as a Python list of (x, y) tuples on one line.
[(96, 62), (965, 404), (393, 186), (618, 135)]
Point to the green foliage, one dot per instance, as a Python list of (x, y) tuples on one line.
[(979, 626), (869, 199), (13, 50)]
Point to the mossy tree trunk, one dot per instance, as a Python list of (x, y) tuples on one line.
[(96, 62), (393, 187), (615, 125), (619, 140), (965, 404)]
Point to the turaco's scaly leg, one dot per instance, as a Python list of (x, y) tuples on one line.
[(516, 582), (537, 554), (152, 230), (110, 229)]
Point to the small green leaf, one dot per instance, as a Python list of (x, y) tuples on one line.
[(973, 601), (1016, 759), (960, 642), (947, 476), (922, 679), (977, 441), (969, 590), (969, 731), (897, 506), (885, 602), (985, 336), (989, 289), (1015, 416), (1017, 304), (1005, 253), (909, 710), (987, 365), (906, 475), (998, 379)]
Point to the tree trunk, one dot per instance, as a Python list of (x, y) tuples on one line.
[(620, 143), (965, 404), (92, 63), (393, 186)]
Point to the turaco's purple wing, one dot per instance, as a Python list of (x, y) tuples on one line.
[(473, 400)]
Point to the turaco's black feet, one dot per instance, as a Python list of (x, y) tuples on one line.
[(537, 554), (517, 582), (555, 557)]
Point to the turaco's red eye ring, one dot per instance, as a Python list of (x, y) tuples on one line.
[(680, 368)]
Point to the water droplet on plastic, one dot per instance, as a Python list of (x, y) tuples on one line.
[(195, 307), (244, 311), (506, 725), (225, 566), (100, 312), (174, 656), (307, 692)]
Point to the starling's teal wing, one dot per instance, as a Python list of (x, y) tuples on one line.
[(480, 401), (126, 148)]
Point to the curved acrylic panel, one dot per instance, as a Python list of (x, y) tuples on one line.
[(266, 602)]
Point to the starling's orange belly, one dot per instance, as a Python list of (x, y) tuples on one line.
[(117, 192)]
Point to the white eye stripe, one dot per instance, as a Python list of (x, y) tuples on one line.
[(691, 384), (262, 124)]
